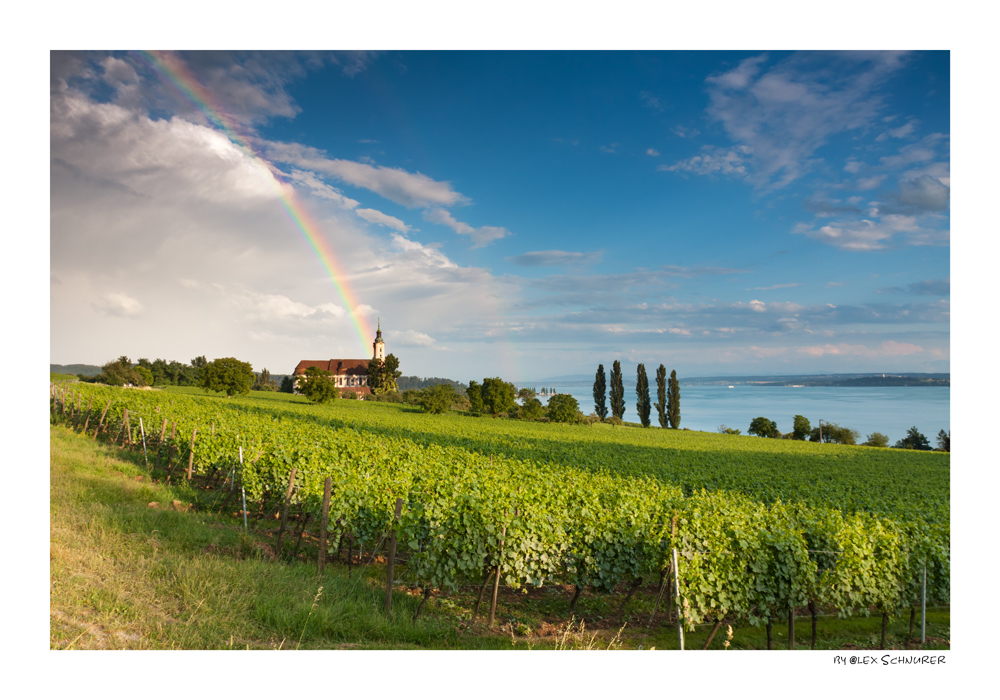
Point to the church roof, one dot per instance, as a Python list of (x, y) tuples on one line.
[(335, 367)]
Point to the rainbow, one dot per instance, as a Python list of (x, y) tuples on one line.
[(176, 74)]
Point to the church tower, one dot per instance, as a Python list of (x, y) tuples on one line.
[(379, 344)]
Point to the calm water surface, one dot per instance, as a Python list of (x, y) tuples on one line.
[(889, 410)]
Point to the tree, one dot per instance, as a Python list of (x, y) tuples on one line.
[(674, 401), (531, 409), (800, 428), (382, 375), (661, 396), (498, 396), (617, 391), (437, 398), (524, 393), (563, 408), (763, 427), (227, 374), (145, 376), (944, 441), (876, 440), (475, 394), (119, 373), (263, 381), (914, 440), (287, 385), (317, 385), (832, 432), (600, 393), (642, 405)]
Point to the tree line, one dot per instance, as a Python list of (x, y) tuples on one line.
[(840, 435), (668, 396), (225, 374)]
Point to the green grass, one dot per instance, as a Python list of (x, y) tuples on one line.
[(125, 575)]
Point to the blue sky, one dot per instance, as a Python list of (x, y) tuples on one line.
[(522, 214)]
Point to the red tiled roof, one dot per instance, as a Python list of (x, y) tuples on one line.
[(336, 367)]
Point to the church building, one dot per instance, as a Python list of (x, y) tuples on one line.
[(348, 374)]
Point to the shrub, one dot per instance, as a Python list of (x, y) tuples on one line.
[(877, 440), (348, 394)]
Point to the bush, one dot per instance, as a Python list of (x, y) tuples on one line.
[(726, 430), (876, 440), (348, 394), (532, 409), (411, 396), (614, 420), (437, 398), (388, 397)]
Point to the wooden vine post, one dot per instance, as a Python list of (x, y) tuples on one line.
[(190, 469), (170, 450), (324, 521), (127, 428), (159, 443), (100, 424), (680, 605), (496, 580), (87, 422), (391, 557), (284, 510)]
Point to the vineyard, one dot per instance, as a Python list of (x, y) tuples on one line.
[(757, 527)]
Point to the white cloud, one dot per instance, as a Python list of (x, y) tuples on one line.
[(731, 161), (411, 338), (785, 113), (867, 234), (412, 190), (652, 152), (869, 183), (321, 189), (376, 217), (481, 236), (118, 305), (920, 152), (899, 132)]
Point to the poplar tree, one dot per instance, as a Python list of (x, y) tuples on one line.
[(674, 401), (617, 391), (642, 394), (600, 393), (661, 395)]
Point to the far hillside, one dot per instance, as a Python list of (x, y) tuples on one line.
[(85, 370)]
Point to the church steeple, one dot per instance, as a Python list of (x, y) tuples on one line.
[(379, 345)]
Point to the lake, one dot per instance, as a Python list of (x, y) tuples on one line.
[(887, 410)]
